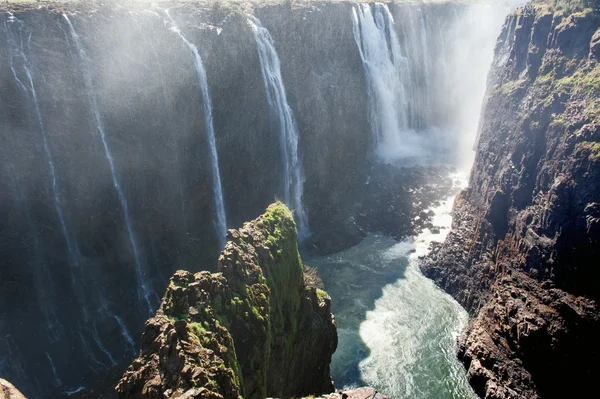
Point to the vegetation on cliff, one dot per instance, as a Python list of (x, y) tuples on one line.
[(569, 6), (251, 330)]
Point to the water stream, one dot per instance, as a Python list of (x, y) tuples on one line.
[(145, 291), (221, 218), (293, 179)]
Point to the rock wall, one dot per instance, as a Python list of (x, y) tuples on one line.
[(148, 96), (521, 256), (79, 291), (252, 330)]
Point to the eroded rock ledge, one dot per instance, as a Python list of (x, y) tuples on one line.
[(523, 253), (252, 330)]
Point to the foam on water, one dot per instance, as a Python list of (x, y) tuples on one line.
[(397, 330)]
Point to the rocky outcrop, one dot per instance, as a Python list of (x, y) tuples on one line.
[(522, 254), (252, 330), (8, 391)]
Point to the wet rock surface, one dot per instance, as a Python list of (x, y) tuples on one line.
[(393, 202), (521, 256)]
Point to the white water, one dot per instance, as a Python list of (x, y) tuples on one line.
[(221, 219), (390, 83), (144, 291), (397, 330), (293, 175), (411, 332), (426, 77)]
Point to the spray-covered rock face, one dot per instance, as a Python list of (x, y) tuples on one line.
[(133, 134)]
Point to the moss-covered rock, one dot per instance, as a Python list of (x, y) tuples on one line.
[(251, 330)]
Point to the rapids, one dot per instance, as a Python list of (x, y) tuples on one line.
[(397, 330)]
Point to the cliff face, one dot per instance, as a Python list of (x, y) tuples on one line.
[(526, 232), (252, 330), (67, 257)]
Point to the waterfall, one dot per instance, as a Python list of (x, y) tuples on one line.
[(293, 175), (19, 62), (423, 113), (144, 291), (221, 219), (29, 89), (57, 381), (20, 66), (390, 83)]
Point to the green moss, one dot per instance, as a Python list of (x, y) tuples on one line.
[(585, 81), (559, 123), (322, 295), (197, 329), (593, 147), (567, 6), (511, 87)]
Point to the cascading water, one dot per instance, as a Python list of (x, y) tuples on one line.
[(57, 381), (43, 280), (16, 41), (20, 63), (385, 68), (293, 177), (421, 118), (221, 218), (399, 78), (144, 291)]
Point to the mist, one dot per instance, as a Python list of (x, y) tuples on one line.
[(427, 76)]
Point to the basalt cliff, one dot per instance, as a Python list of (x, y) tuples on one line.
[(253, 329), (108, 168), (523, 253)]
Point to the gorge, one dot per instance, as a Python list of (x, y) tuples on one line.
[(134, 134)]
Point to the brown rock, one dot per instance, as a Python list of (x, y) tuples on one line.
[(8, 391)]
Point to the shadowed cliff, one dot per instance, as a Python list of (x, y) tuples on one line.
[(107, 180), (523, 252)]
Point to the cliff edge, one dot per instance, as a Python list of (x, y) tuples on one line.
[(252, 330), (523, 253)]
